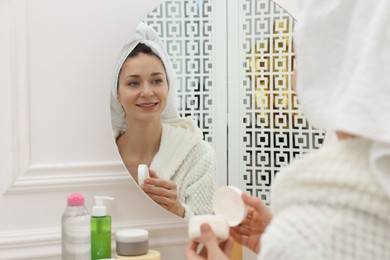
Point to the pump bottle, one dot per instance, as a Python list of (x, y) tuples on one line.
[(100, 230)]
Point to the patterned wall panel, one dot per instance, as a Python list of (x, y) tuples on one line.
[(273, 130), (186, 29)]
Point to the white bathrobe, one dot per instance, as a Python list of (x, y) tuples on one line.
[(185, 158), (329, 206), (335, 203)]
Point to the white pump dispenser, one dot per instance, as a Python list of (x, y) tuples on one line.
[(99, 209)]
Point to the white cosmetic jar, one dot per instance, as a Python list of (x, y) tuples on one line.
[(132, 242), (143, 173), (229, 210), (217, 223)]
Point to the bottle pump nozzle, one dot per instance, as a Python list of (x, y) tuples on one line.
[(99, 209)]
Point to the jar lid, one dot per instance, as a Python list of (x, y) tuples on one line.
[(227, 202), (132, 235)]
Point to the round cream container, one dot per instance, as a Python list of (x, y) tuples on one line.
[(132, 242), (143, 173), (217, 223), (229, 210)]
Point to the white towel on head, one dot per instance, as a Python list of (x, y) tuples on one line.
[(142, 34), (343, 64)]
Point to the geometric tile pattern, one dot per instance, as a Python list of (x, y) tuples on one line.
[(186, 28), (273, 131)]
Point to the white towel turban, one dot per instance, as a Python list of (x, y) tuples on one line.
[(146, 35), (343, 65)]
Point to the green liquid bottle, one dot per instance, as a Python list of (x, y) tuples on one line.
[(100, 230)]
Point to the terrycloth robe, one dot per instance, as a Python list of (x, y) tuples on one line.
[(329, 206), (185, 158)]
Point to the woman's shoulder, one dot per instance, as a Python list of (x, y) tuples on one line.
[(181, 122), (182, 128), (204, 147)]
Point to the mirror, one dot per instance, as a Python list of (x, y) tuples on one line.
[(263, 111), (148, 131)]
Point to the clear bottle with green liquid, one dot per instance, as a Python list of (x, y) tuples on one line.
[(100, 230)]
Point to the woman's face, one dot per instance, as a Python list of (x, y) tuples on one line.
[(143, 87)]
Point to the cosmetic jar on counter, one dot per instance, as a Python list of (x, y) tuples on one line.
[(229, 210), (134, 244), (131, 242)]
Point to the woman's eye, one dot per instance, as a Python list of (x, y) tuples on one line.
[(133, 83), (157, 81)]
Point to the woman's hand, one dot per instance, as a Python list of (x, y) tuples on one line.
[(211, 249), (163, 192), (248, 233)]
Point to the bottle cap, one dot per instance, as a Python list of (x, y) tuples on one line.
[(75, 199), (99, 209), (227, 202), (143, 173)]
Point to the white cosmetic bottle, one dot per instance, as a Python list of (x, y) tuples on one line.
[(75, 230), (143, 173)]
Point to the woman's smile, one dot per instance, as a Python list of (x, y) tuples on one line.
[(147, 106)]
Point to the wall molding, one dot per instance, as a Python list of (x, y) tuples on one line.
[(55, 177)]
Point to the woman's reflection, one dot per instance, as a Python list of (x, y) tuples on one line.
[(149, 131)]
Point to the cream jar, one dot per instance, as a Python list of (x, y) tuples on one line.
[(143, 173), (229, 210), (132, 242)]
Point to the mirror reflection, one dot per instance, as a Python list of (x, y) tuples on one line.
[(148, 129), (265, 129)]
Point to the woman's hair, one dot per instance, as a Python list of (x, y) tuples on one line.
[(142, 48)]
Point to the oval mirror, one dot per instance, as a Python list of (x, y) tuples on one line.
[(233, 69)]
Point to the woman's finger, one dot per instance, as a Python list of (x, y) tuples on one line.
[(159, 191), (169, 185), (153, 174), (253, 202), (190, 252), (228, 246), (208, 237)]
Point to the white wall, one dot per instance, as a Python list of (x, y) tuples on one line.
[(55, 137)]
